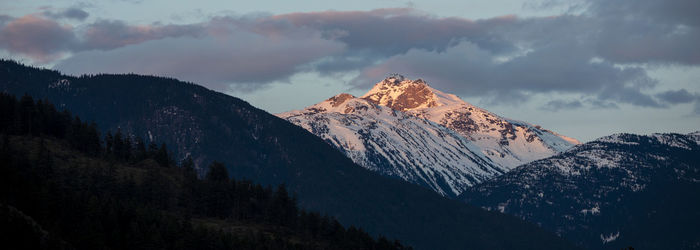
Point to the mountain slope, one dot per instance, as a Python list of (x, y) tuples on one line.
[(256, 145), (617, 191), (396, 144), (409, 130), (57, 194)]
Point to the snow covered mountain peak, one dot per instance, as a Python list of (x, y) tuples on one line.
[(407, 129), (506, 141), (397, 144), (399, 93)]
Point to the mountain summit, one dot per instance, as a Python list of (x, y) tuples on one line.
[(399, 93), (407, 129), (397, 144), (505, 141)]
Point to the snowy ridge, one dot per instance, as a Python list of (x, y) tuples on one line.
[(581, 192), (673, 140), (397, 144), (407, 129)]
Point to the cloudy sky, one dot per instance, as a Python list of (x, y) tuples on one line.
[(584, 68)]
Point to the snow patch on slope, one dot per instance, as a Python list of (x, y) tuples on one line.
[(610, 237)]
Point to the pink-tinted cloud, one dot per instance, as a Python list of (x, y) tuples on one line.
[(44, 40), (392, 31), (39, 38)]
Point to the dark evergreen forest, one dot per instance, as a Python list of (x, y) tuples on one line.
[(64, 186)]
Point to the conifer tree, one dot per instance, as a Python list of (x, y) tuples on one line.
[(188, 168), (109, 144), (162, 156), (141, 152), (217, 172)]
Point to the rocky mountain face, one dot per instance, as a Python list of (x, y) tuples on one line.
[(407, 129), (617, 191), (256, 145)]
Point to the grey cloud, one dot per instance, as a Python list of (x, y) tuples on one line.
[(4, 19), (393, 31), (681, 96), (470, 71), (340, 64), (72, 13), (635, 31), (625, 31), (216, 53), (630, 96), (367, 36), (601, 104), (45, 40), (677, 96), (507, 59), (556, 105), (75, 13), (559, 51), (668, 11), (640, 42), (246, 60), (111, 34)]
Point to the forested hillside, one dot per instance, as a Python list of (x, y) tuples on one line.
[(63, 187)]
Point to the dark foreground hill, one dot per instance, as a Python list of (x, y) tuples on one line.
[(617, 191), (256, 145), (57, 194)]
